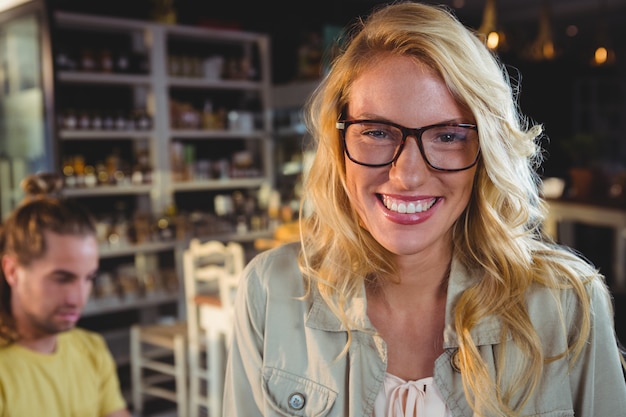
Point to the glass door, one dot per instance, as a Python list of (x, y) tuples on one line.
[(25, 99)]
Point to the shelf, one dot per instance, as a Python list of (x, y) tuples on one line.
[(214, 84), (113, 304), (104, 134), (107, 190), (213, 35), (217, 134), (154, 91), (103, 78), (102, 23), (200, 185), (112, 251), (239, 237), (108, 251)]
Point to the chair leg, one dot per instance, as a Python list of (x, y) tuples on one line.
[(135, 369), (180, 358), (178, 346), (215, 381), (194, 383)]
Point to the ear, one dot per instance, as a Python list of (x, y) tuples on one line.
[(9, 267)]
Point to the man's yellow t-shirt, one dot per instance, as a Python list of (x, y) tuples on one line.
[(78, 380)]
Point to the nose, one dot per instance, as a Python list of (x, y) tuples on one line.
[(78, 292), (409, 169)]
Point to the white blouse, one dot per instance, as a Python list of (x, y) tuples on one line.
[(400, 398)]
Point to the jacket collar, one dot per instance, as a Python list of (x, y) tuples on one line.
[(488, 331), (322, 318)]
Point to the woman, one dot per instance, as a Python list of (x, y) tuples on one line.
[(423, 285)]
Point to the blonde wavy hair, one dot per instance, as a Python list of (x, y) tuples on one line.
[(499, 232)]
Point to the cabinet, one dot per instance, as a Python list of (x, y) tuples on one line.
[(25, 79), (165, 133), (293, 152)]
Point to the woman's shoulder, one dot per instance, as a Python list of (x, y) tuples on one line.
[(282, 258), (272, 281), (277, 267), (546, 303)]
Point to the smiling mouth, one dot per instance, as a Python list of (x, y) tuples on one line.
[(408, 207)]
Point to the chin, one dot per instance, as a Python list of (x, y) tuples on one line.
[(403, 247), (64, 327)]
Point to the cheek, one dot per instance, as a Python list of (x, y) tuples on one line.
[(356, 181), (87, 288), (37, 296), (350, 178), (359, 178), (465, 186)]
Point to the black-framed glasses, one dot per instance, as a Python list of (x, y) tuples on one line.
[(444, 147)]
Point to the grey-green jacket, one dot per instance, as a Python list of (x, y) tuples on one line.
[(285, 358)]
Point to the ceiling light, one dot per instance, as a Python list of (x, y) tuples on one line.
[(493, 37), (603, 53), (543, 46)]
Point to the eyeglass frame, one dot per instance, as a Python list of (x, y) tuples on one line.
[(342, 126)]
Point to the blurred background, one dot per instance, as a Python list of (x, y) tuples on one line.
[(567, 52), (180, 119)]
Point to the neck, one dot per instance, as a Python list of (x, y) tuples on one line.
[(427, 273), (416, 289), (46, 344)]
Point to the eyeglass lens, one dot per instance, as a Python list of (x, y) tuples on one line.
[(448, 147)]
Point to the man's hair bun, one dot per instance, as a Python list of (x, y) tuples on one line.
[(41, 185)]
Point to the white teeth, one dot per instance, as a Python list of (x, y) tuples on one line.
[(408, 207)]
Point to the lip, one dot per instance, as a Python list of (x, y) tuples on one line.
[(430, 203), (70, 316)]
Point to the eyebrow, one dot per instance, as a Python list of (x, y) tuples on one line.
[(370, 116), (68, 274)]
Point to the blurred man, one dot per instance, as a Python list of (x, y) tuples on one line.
[(49, 258)]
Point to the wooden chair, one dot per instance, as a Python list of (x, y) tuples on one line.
[(211, 272), (158, 358)]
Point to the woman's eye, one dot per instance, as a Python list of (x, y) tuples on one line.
[(376, 134), (447, 137), (452, 137)]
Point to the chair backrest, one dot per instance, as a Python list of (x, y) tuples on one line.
[(210, 268), (206, 263)]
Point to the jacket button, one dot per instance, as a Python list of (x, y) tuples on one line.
[(296, 401), (455, 361)]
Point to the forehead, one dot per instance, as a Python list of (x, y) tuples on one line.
[(70, 249), (401, 87)]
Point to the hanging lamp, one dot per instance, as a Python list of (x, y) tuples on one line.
[(493, 38), (542, 47), (603, 54)]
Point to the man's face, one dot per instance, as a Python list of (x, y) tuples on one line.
[(48, 296)]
